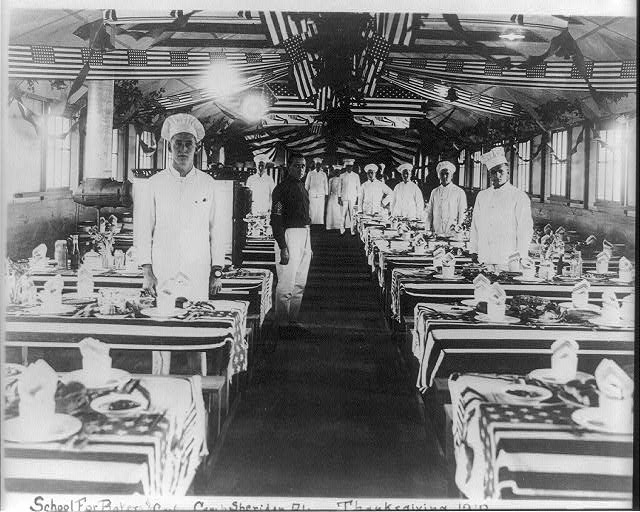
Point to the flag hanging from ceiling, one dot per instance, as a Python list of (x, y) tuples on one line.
[(282, 25), (373, 58), (397, 28), (303, 71)]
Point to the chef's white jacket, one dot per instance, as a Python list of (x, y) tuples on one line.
[(349, 186), (446, 206), (175, 228), (261, 190), (371, 194), (317, 184), (501, 224), (407, 200)]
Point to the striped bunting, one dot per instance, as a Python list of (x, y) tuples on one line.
[(65, 63), (397, 28), (303, 71), (437, 92), (325, 99), (282, 25), (372, 60), (603, 75)]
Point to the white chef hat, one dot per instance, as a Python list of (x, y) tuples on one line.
[(337, 167), (382, 166), (493, 158), (370, 167), (408, 167), (182, 123), (445, 164), (348, 161), (317, 160), (261, 158)]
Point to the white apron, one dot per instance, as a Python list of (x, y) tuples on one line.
[(317, 186), (334, 211)]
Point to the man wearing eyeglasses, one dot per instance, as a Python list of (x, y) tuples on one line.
[(290, 221)]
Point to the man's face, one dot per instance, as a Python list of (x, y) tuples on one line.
[(297, 168), (445, 177), (260, 168), (371, 174), (348, 168), (405, 175), (317, 166), (183, 148), (499, 175)]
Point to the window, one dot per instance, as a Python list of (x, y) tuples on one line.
[(559, 155), (144, 160), (58, 164), (476, 170), (462, 156), (523, 166), (612, 176)]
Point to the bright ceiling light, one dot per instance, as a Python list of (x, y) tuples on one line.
[(253, 107), (512, 36), (222, 80)]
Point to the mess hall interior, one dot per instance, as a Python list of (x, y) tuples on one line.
[(320, 255)]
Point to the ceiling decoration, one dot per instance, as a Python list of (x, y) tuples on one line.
[(365, 70)]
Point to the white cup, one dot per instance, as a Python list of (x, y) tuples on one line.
[(564, 366), (97, 366), (619, 410), (514, 266), (625, 275), (496, 311)]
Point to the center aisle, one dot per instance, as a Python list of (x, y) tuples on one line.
[(331, 413)]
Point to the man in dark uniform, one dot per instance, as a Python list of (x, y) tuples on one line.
[(290, 221)]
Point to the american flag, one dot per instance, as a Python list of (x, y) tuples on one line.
[(433, 91), (303, 72), (47, 62), (325, 99), (603, 75), (373, 58), (397, 28), (282, 25)]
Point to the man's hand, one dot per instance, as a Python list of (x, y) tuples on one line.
[(340, 201), (215, 285), (474, 257), (284, 256), (149, 280)]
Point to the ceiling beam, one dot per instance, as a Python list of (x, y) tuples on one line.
[(236, 44), (476, 35)]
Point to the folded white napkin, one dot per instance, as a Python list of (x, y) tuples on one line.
[(561, 230), (591, 239), (481, 288), (40, 252), (514, 262), (497, 294), (580, 294), (85, 281), (51, 294), (37, 388), (610, 307), (613, 380), (546, 269), (130, 261), (438, 255), (564, 358), (95, 357), (548, 229)]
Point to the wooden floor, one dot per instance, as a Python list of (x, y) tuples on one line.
[(334, 412)]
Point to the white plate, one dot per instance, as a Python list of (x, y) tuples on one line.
[(523, 279), (547, 375), (111, 317), (602, 322), (507, 319), (588, 307), (74, 300), (469, 302), (102, 404), (91, 381), (524, 394), (456, 277), (63, 309), (621, 281), (155, 313), (591, 418), (61, 427)]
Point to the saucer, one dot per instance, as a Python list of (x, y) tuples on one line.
[(156, 313), (592, 418), (523, 279), (617, 280), (119, 404), (63, 309), (507, 319), (455, 277), (73, 299), (547, 375), (61, 427), (603, 322), (92, 381), (472, 303), (589, 307)]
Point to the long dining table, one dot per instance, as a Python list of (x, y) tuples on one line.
[(535, 451), (155, 451), (225, 327)]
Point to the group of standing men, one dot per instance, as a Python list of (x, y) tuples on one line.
[(176, 223)]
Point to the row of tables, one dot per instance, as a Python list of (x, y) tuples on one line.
[(500, 450), (158, 452)]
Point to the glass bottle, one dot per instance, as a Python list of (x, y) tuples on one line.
[(75, 253)]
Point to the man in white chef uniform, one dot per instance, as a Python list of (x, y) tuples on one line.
[(447, 202), (348, 197), (261, 186), (317, 185), (502, 222), (407, 198), (373, 191), (175, 219)]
